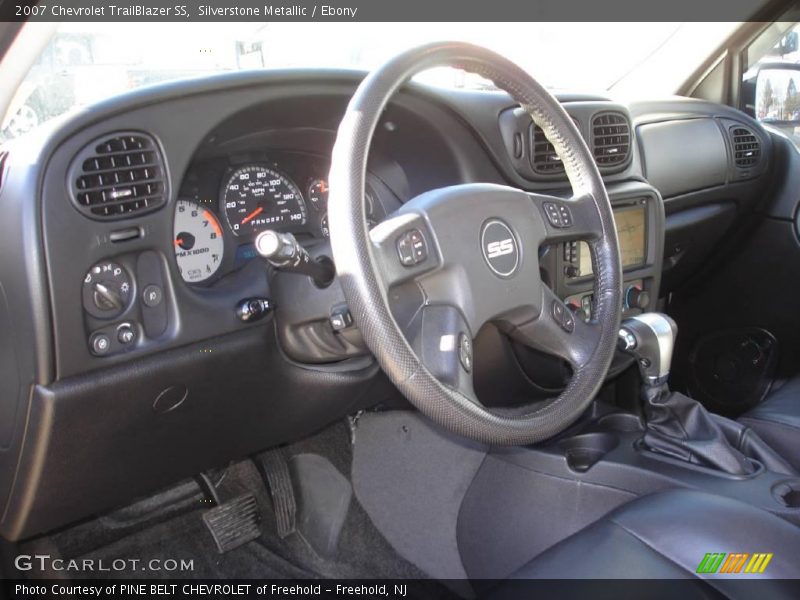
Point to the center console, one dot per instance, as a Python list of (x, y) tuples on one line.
[(612, 456), (639, 217)]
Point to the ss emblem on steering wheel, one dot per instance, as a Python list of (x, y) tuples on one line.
[(500, 249)]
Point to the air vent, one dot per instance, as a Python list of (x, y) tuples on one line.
[(118, 176), (611, 139), (544, 158), (746, 147)]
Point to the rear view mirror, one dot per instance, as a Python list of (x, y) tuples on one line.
[(788, 44)]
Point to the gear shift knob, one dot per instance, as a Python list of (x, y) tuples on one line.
[(650, 337)]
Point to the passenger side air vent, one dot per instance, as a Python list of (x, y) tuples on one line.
[(611, 139), (117, 176), (746, 147)]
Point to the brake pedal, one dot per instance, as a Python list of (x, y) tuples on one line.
[(234, 523), (279, 481)]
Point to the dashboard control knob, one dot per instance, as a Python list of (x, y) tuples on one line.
[(152, 296), (125, 334), (636, 297), (106, 290), (106, 299), (100, 344), (253, 309)]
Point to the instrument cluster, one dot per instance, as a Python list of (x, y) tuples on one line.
[(224, 203)]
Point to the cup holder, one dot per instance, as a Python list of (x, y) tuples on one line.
[(787, 493), (583, 451)]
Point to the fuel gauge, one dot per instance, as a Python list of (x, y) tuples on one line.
[(318, 194)]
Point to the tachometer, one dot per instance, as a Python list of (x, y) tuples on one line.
[(257, 198), (198, 241)]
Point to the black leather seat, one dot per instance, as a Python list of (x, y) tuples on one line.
[(666, 536), (777, 421)]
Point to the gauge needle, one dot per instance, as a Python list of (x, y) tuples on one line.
[(178, 242), (214, 223), (252, 215)]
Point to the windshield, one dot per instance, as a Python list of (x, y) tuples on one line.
[(85, 63)]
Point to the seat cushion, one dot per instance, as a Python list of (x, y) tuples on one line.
[(777, 421), (667, 535)]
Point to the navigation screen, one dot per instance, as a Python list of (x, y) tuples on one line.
[(631, 233)]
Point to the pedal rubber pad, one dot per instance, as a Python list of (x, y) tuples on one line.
[(276, 469), (234, 522)]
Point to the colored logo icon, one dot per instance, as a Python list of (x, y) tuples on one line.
[(734, 563)]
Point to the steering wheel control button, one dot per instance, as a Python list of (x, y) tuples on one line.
[(411, 248), (465, 351), (125, 334), (568, 324), (566, 216), (418, 245), (100, 344), (563, 316), (500, 249), (152, 296), (341, 318), (558, 312), (558, 214), (405, 252), (553, 215)]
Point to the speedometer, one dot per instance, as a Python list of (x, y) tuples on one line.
[(257, 198)]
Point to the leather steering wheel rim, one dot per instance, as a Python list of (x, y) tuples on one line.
[(361, 270)]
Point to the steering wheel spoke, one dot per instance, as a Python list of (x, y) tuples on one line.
[(568, 219), (404, 248), (558, 331), (440, 335)]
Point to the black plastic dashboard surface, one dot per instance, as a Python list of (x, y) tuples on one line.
[(684, 156)]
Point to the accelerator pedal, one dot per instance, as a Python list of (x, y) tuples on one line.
[(234, 523), (279, 481)]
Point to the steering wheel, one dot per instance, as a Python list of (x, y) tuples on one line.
[(422, 283)]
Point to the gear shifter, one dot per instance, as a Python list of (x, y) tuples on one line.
[(676, 425), (650, 338)]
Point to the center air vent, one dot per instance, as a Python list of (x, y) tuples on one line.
[(611, 139), (119, 175), (746, 147)]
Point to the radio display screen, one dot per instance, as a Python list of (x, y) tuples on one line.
[(631, 231)]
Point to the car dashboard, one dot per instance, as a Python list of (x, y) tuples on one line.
[(130, 250)]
